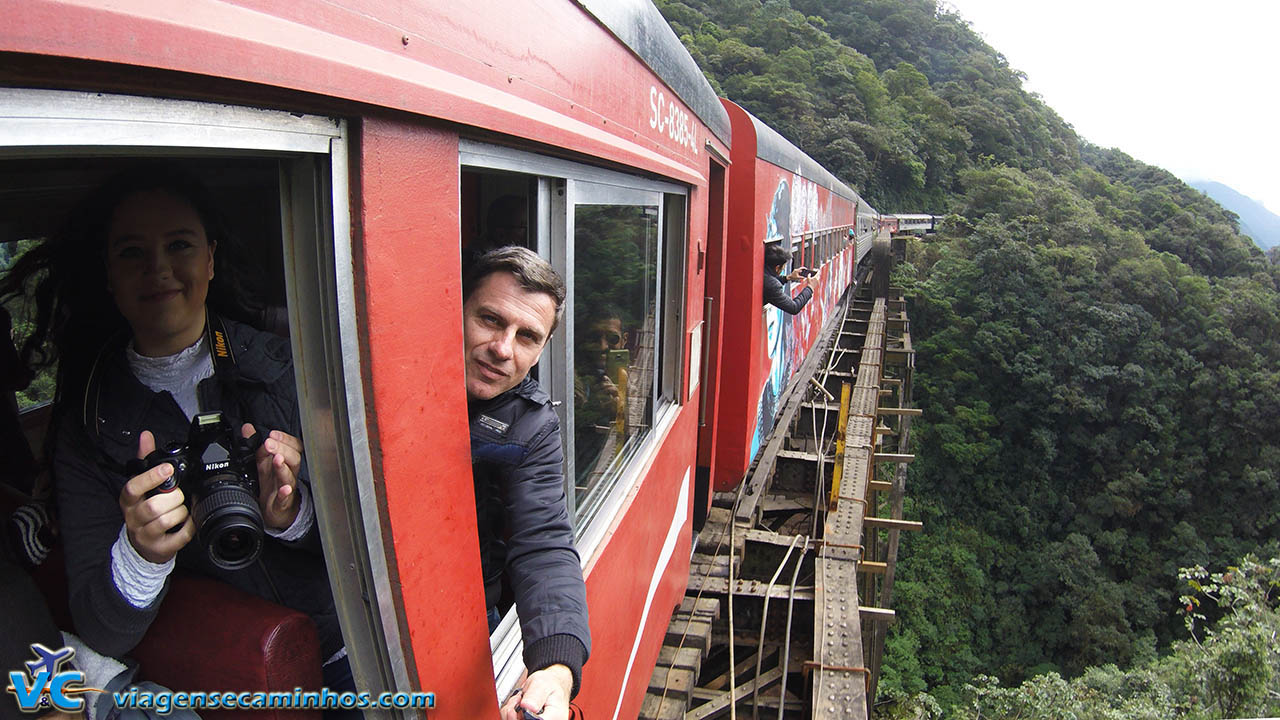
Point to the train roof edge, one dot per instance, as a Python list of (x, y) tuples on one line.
[(639, 25), (772, 147)]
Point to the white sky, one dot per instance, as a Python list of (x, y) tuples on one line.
[(1188, 85)]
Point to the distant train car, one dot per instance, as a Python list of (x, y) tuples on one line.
[(777, 194), (360, 146), (889, 223), (916, 223)]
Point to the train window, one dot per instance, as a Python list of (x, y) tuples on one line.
[(280, 180), (628, 244), (615, 322)]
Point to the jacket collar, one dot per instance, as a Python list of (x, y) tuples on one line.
[(529, 389)]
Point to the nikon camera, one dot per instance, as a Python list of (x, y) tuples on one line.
[(217, 472)]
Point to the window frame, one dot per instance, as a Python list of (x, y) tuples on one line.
[(562, 184), (312, 156)]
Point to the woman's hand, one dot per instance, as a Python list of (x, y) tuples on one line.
[(279, 462), (147, 520)]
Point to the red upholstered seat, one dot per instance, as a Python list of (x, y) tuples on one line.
[(210, 636)]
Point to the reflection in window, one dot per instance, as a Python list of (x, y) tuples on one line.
[(17, 316), (615, 286)]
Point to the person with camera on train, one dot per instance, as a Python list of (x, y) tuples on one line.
[(599, 387), (144, 309), (512, 302), (775, 292)]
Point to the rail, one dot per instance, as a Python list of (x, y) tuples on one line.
[(822, 504)]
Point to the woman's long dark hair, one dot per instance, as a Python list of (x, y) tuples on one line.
[(67, 275)]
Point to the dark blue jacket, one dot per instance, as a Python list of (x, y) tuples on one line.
[(525, 534), (89, 472), (775, 293)]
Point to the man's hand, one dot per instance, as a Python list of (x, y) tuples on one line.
[(545, 693), (147, 520), (279, 462), (796, 275)]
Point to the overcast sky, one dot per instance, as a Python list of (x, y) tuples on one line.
[(1189, 86)]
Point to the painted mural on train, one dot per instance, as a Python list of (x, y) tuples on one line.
[(796, 209)]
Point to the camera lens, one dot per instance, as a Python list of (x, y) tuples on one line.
[(229, 526)]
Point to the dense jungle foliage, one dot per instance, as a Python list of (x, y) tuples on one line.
[(1098, 358)]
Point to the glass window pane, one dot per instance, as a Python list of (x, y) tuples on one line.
[(615, 300)]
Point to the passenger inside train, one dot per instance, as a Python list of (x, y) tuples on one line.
[(600, 387), (143, 301)]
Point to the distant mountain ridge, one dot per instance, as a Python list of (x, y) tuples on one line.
[(1256, 221)]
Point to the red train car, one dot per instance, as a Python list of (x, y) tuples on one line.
[(361, 146), (777, 194)]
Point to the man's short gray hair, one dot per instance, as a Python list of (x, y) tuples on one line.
[(532, 272)]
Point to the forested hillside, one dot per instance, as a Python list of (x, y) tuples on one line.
[(1098, 349)]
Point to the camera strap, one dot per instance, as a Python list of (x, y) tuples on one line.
[(224, 356), (224, 369)]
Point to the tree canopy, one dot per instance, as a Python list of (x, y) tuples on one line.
[(1098, 349)]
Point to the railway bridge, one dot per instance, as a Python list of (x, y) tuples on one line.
[(791, 583)]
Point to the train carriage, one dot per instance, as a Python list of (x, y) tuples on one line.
[(362, 146), (364, 150), (915, 223), (777, 194)]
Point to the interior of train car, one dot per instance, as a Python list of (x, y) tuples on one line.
[(272, 178), (39, 194)]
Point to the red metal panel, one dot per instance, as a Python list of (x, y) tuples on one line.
[(620, 572), (542, 69), (405, 210), (743, 293)]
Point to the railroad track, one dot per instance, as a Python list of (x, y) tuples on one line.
[(791, 579)]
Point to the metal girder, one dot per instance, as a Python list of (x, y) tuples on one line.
[(840, 675)]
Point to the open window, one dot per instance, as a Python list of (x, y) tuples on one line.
[(614, 367), (281, 181)]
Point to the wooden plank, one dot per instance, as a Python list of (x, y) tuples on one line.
[(880, 486), (798, 455), (877, 614), (782, 503), (892, 524), (721, 704), (770, 537), (893, 457), (913, 412), (656, 707), (720, 681)]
